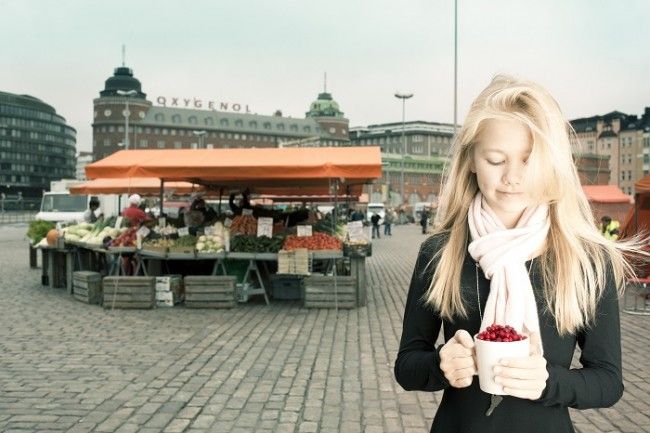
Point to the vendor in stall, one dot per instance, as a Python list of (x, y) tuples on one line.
[(244, 204), (196, 216), (133, 213)]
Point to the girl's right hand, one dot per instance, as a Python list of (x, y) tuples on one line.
[(457, 360)]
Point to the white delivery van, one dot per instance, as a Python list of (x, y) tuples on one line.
[(61, 206), (377, 208)]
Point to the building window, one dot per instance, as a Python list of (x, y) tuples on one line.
[(252, 124), (417, 138), (144, 143), (307, 129), (176, 118), (239, 123), (209, 121), (224, 122), (159, 117), (267, 125), (107, 142), (294, 127), (165, 131), (280, 126), (332, 130), (161, 144), (178, 145), (193, 120)]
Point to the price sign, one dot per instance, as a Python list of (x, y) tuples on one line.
[(227, 223), (118, 222), (143, 232), (183, 231), (355, 231), (265, 227), (162, 222), (304, 231), (208, 231), (138, 241), (247, 212)]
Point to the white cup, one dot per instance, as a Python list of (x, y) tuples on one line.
[(488, 355)]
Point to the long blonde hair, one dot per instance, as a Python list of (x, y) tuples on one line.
[(574, 266)]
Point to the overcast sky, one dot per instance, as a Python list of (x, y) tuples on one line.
[(591, 54)]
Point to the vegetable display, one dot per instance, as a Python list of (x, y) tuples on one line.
[(243, 225), (253, 244), (38, 230), (126, 239), (318, 241)]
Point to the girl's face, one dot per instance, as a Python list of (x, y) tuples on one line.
[(499, 161)]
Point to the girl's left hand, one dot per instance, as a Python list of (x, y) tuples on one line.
[(524, 377)]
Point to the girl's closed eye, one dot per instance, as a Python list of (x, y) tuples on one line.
[(495, 162)]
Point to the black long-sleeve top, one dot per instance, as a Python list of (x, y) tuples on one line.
[(462, 410)]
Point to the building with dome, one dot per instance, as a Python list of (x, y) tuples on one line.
[(183, 125), (36, 147)]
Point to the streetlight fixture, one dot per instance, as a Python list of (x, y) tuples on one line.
[(200, 134), (126, 94), (403, 97)]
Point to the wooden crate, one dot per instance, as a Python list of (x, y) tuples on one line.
[(287, 286), (207, 291), (319, 292), (129, 292), (87, 287), (294, 261)]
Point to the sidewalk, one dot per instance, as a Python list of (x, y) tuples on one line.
[(70, 367)]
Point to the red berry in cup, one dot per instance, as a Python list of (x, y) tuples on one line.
[(501, 334)]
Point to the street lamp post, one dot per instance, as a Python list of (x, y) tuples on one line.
[(126, 95), (403, 97), (200, 134)]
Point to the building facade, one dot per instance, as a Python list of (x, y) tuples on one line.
[(83, 159), (184, 125), (36, 147), (425, 148), (621, 138)]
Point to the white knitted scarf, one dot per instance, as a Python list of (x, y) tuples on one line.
[(502, 254)]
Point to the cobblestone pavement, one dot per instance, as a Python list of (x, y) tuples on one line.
[(70, 367)]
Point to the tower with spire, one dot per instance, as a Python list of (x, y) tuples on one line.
[(325, 110)]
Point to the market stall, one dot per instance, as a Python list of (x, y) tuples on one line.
[(290, 175)]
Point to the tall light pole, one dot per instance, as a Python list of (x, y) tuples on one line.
[(126, 95), (200, 134), (403, 97)]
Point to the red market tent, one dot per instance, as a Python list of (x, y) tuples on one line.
[(272, 171), (142, 186), (607, 200), (638, 217)]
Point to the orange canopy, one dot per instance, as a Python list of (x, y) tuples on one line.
[(144, 186), (305, 171), (606, 194)]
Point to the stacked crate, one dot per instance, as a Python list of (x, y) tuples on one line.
[(129, 292), (287, 286), (321, 292), (169, 290), (209, 291), (87, 287), (293, 261)]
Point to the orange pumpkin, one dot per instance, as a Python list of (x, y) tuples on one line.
[(52, 236)]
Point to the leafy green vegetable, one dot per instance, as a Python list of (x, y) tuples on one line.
[(38, 230)]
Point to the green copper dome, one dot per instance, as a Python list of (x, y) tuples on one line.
[(324, 106), (122, 79)]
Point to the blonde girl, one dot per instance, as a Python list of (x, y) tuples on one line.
[(515, 244)]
